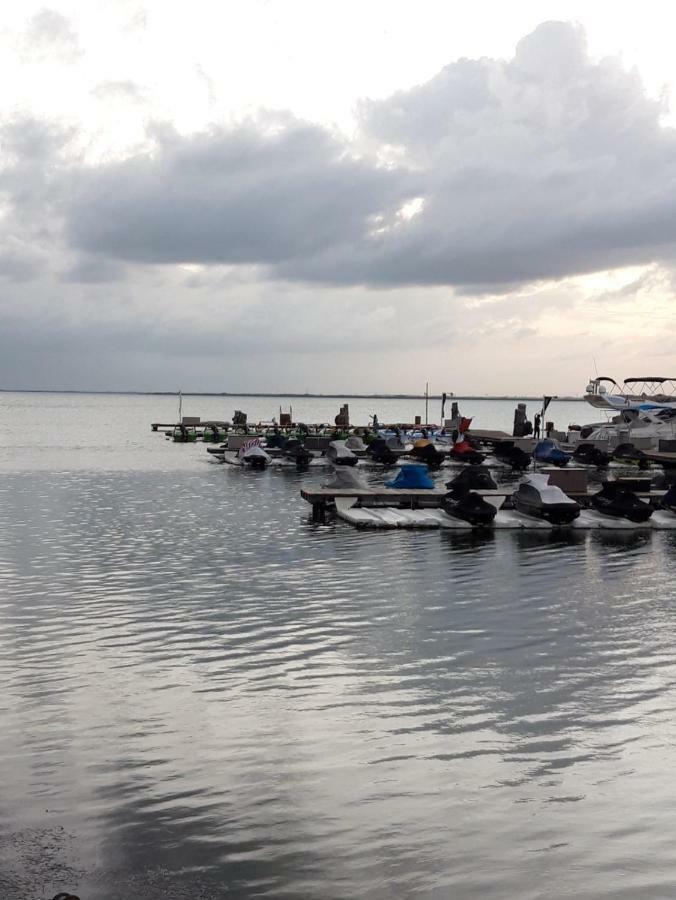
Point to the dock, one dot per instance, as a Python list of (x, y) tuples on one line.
[(321, 499)]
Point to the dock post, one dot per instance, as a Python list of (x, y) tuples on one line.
[(319, 512)]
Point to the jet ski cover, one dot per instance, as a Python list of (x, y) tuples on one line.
[(412, 476)]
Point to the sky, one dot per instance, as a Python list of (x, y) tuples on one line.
[(293, 195)]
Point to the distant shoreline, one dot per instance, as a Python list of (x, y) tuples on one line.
[(294, 396)]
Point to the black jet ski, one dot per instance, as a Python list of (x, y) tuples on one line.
[(589, 455), (472, 478), (617, 501), (536, 497), (296, 452), (506, 452), (469, 506), (668, 501), (426, 452), (463, 502), (627, 453), (381, 453)]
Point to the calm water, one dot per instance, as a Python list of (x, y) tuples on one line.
[(205, 696)]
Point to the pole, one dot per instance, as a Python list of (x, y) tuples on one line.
[(427, 400), (180, 407)]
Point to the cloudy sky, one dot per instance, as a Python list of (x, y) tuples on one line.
[(306, 195)]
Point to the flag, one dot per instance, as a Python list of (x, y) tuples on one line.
[(464, 425), (443, 406), (545, 403)]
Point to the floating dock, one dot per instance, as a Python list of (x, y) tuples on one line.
[(379, 505)]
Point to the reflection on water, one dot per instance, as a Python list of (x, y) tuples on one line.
[(205, 695)]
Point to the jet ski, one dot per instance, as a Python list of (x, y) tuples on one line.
[(590, 455), (296, 452), (627, 453), (463, 451), (411, 476), (213, 434), (668, 501), (355, 443), (340, 455), (472, 479), (381, 453), (276, 440), (617, 501), (469, 506), (426, 452), (546, 451), (506, 452), (184, 434), (462, 500), (254, 457), (536, 497)]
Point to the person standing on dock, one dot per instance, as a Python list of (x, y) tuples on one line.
[(536, 425)]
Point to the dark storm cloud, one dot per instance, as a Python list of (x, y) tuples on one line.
[(535, 168), (267, 194), (546, 165)]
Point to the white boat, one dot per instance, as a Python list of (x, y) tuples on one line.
[(642, 424), (605, 393)]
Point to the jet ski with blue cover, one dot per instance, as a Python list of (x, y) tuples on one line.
[(619, 502), (589, 455), (411, 476), (546, 451), (536, 497), (508, 453)]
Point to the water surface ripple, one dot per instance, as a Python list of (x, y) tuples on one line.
[(205, 695)]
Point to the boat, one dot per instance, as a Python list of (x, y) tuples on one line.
[(535, 496), (605, 393), (548, 451), (615, 500), (508, 453), (649, 422), (589, 455), (340, 455)]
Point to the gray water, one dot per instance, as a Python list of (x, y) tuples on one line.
[(204, 695)]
